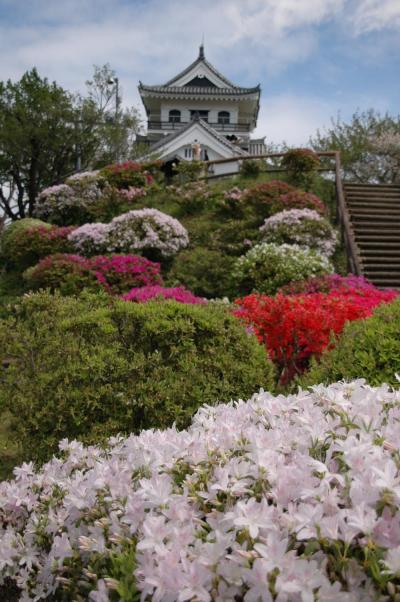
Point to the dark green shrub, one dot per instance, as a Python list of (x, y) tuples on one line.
[(11, 234), (301, 165), (205, 272), (368, 348), (187, 171), (91, 367)]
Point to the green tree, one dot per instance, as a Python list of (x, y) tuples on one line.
[(47, 133), (369, 146)]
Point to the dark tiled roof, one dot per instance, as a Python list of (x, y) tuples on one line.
[(201, 60), (197, 90)]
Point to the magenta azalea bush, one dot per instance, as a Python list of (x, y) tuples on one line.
[(72, 273), (272, 499), (146, 293), (120, 273)]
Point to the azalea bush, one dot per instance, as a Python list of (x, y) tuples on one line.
[(370, 347), (296, 328), (147, 293), (120, 273), (65, 272), (127, 174), (274, 498), (301, 165), (29, 245), (263, 196), (233, 201), (268, 266), (297, 199), (146, 230), (304, 227), (12, 232), (251, 168), (94, 366), (349, 284), (74, 201), (193, 197)]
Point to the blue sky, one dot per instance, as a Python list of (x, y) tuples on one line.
[(313, 58)]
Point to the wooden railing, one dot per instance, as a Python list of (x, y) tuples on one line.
[(177, 125), (330, 163)]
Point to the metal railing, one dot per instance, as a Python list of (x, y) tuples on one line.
[(342, 213), (177, 125)]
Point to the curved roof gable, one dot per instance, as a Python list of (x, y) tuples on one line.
[(201, 68)]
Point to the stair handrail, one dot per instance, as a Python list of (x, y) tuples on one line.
[(346, 227)]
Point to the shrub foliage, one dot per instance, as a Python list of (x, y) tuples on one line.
[(92, 367)]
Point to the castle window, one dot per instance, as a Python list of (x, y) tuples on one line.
[(174, 116), (223, 117)]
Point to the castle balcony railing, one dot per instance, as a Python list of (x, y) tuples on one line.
[(172, 126)]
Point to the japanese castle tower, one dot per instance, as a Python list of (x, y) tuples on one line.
[(201, 110)]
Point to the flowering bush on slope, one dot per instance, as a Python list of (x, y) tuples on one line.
[(295, 328), (119, 273), (72, 202), (276, 498), (304, 227), (297, 199), (28, 245), (146, 293), (268, 266), (138, 230), (72, 273)]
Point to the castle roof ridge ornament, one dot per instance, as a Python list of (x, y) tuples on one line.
[(201, 52)]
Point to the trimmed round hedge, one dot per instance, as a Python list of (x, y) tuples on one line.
[(91, 367), (368, 348)]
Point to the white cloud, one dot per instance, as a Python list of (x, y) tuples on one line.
[(293, 119), (375, 15)]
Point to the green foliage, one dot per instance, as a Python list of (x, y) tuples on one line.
[(91, 367), (205, 272), (124, 175), (301, 165), (10, 236), (368, 348), (251, 168), (187, 171), (69, 274)]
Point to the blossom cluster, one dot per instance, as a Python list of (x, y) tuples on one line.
[(332, 282), (297, 199), (136, 230), (295, 328), (275, 498), (304, 227), (132, 193), (69, 202), (147, 293), (268, 266), (71, 273)]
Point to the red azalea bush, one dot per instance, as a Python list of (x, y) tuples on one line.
[(262, 196), (297, 199), (295, 328), (146, 293), (68, 273), (120, 273), (32, 244), (124, 175)]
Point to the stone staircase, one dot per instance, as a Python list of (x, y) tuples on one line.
[(375, 218)]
